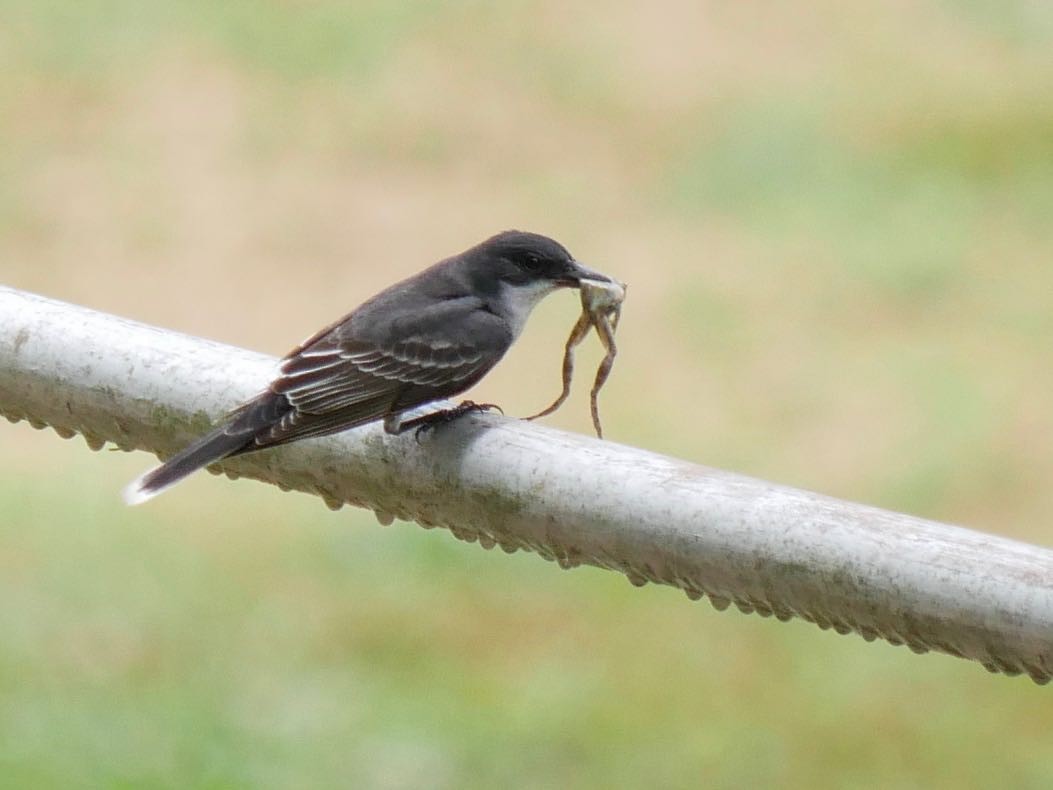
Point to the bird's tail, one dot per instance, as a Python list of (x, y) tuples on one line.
[(234, 436), (208, 449)]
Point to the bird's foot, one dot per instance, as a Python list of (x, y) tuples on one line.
[(425, 423)]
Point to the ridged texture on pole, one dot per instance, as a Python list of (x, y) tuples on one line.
[(573, 499)]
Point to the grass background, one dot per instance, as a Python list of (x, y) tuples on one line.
[(835, 221)]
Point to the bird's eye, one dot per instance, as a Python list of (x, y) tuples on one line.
[(532, 263)]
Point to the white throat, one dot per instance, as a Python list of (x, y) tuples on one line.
[(518, 300)]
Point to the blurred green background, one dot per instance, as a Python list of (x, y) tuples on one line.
[(835, 220)]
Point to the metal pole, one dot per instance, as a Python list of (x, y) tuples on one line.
[(573, 499)]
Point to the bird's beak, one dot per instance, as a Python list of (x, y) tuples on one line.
[(578, 272)]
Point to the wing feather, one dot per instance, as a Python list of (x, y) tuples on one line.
[(377, 362), (348, 384)]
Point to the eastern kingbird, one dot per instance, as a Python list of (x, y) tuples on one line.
[(426, 338)]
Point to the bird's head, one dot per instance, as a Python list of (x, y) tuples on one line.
[(528, 260)]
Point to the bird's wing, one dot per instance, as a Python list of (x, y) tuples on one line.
[(339, 380)]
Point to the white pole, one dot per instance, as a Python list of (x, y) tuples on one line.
[(574, 499)]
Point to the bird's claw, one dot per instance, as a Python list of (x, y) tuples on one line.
[(430, 421), (469, 405)]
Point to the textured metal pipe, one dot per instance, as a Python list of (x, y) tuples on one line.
[(573, 499)]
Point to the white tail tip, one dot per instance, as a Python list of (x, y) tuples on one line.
[(135, 493)]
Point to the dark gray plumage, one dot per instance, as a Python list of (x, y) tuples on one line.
[(427, 338)]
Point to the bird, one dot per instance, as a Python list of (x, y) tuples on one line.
[(429, 337)]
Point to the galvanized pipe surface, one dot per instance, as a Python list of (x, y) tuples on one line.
[(573, 499)]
